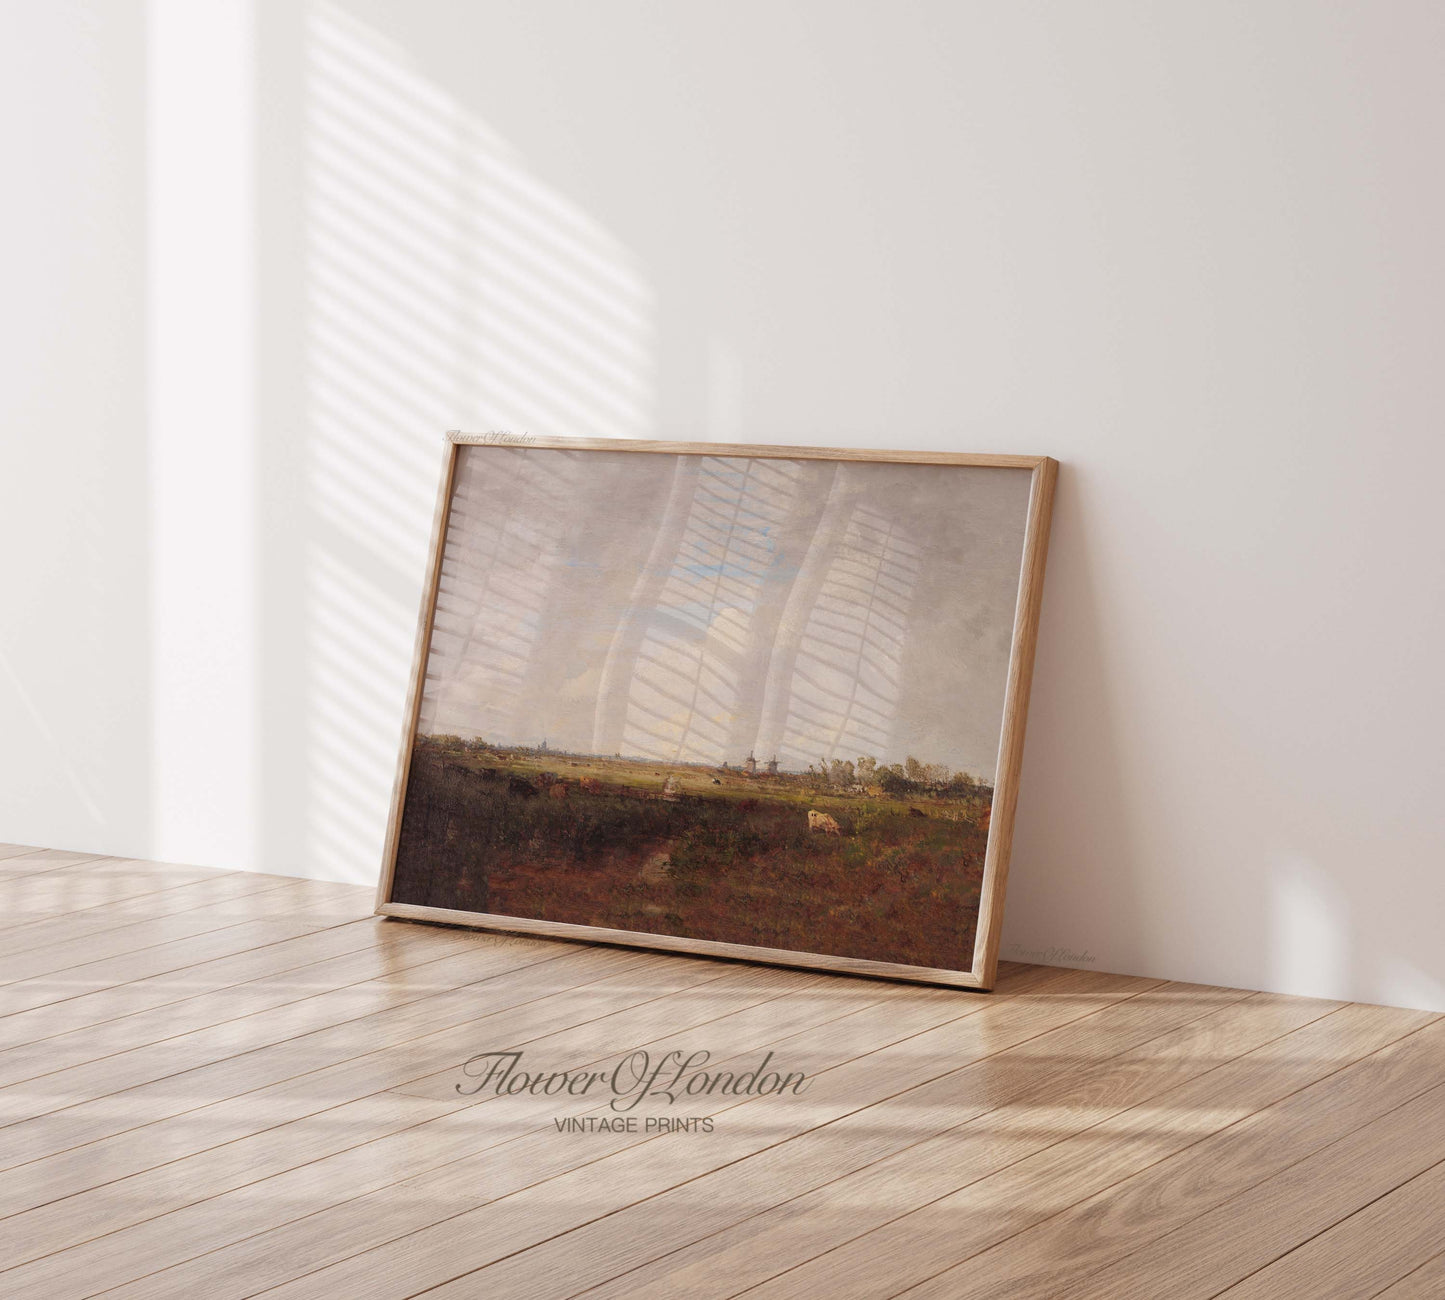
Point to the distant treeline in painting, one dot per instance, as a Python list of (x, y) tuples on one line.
[(848, 857)]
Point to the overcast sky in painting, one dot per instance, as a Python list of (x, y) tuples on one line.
[(698, 608)]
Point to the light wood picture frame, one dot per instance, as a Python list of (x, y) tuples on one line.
[(696, 696)]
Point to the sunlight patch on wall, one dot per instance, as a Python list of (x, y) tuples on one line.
[(446, 285)]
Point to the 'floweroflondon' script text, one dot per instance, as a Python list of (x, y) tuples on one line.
[(667, 1078)]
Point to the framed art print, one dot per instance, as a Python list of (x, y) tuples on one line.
[(751, 702)]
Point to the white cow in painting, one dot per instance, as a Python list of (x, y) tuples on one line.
[(818, 821)]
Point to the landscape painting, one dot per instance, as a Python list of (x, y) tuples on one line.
[(732, 697)]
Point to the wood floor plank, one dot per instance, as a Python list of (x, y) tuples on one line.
[(376, 951), (53, 877), (841, 1083), (740, 1010), (62, 895), (1426, 1283), (274, 899), (55, 1225), (20, 867), (316, 906), (1044, 1261), (170, 988), (338, 1027), (1086, 1087), (1038, 1190), (17, 850), (1282, 1212), (1354, 1259), (182, 892)]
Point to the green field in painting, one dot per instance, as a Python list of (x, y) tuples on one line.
[(695, 851)]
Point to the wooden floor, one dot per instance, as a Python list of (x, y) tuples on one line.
[(216, 1085)]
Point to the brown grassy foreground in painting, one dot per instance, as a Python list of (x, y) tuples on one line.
[(714, 855)]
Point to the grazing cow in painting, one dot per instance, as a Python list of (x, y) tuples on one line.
[(558, 791), (590, 784), (818, 821)]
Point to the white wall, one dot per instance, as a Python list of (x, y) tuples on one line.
[(258, 257)]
